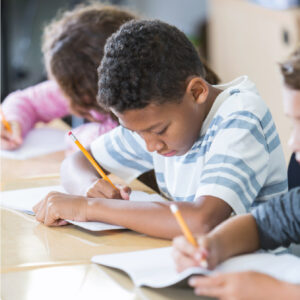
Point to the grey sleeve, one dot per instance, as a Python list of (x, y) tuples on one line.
[(278, 220)]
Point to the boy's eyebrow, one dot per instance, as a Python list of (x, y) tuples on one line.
[(147, 129)]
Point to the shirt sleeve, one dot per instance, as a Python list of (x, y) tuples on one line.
[(237, 162), (123, 153), (42, 102), (278, 220)]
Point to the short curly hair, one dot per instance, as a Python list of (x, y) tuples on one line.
[(146, 61)]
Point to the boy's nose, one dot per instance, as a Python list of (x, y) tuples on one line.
[(153, 144)]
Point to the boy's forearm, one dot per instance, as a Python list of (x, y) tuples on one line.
[(235, 236), (77, 174), (152, 218), (290, 291)]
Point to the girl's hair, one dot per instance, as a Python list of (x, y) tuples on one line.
[(73, 46), (290, 70)]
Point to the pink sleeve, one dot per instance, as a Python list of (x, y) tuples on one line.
[(42, 102)]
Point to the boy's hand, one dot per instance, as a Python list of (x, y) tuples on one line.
[(56, 207), (240, 286), (103, 189), (11, 140), (186, 255)]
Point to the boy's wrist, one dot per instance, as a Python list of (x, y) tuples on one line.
[(216, 246), (92, 209)]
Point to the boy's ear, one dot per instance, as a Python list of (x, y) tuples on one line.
[(198, 89)]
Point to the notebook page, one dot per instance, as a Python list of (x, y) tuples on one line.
[(155, 268), (39, 141)]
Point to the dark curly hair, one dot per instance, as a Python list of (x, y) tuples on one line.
[(146, 61)]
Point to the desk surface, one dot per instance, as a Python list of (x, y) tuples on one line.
[(82, 282), (18, 173), (27, 244)]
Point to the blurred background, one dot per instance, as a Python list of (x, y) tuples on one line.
[(237, 37)]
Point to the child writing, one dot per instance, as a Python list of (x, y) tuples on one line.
[(214, 149), (73, 48), (270, 225)]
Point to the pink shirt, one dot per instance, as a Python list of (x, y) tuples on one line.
[(45, 102)]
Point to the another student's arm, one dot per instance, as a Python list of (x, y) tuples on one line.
[(236, 235), (278, 220), (272, 224), (42, 102), (244, 286)]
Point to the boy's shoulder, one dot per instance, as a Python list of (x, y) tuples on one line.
[(242, 98)]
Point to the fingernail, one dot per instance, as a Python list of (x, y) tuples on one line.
[(204, 264)]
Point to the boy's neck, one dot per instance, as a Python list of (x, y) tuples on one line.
[(212, 96)]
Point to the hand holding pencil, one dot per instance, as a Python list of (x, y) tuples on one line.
[(102, 188), (187, 250), (11, 134)]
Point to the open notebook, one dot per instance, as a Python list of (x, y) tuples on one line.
[(39, 141), (24, 199), (155, 268)]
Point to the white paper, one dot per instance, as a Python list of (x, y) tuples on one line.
[(39, 141), (23, 200), (155, 268)]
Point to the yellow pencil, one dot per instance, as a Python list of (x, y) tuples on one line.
[(186, 231), (183, 225), (91, 159), (4, 121)]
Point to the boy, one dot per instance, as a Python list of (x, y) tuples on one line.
[(270, 225), (214, 149)]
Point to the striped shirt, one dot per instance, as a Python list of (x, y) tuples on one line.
[(237, 157)]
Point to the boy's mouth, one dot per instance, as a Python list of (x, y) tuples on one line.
[(171, 153)]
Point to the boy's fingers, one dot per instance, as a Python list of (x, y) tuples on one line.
[(40, 213), (125, 192), (103, 189)]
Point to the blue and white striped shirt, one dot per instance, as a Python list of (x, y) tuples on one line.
[(237, 157)]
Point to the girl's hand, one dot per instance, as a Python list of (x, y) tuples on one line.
[(186, 255), (56, 207), (11, 140), (243, 286), (103, 189)]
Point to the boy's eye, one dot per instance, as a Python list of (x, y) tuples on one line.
[(162, 131)]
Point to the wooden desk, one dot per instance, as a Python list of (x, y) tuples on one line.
[(82, 282), (34, 171)]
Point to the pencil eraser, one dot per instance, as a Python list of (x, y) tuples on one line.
[(70, 132), (173, 208)]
